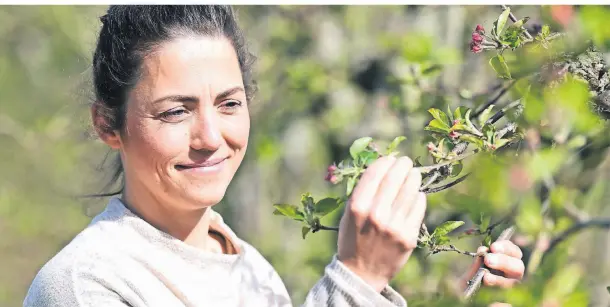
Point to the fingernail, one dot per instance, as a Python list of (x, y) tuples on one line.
[(491, 259)]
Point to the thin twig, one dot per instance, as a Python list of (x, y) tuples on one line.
[(429, 168), (496, 117), (495, 99), (445, 186), (322, 227), (452, 248), (598, 223), (430, 181)]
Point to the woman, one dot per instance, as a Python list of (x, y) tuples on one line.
[(173, 84)]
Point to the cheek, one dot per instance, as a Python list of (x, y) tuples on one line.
[(156, 144), (238, 132)]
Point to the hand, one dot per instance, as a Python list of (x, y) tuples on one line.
[(505, 257), (380, 225)]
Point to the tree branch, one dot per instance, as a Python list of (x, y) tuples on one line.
[(429, 168), (444, 186), (495, 99), (598, 223), (452, 248)]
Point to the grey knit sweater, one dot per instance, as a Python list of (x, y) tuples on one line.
[(120, 260)]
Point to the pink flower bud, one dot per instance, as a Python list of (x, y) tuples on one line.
[(475, 48), (476, 37), (454, 134), (479, 29), (334, 179), (332, 168), (431, 146), (455, 122)]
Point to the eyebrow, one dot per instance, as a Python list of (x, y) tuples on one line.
[(186, 98)]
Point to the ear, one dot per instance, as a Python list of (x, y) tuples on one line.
[(102, 127)]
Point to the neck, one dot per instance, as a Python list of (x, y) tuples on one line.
[(190, 226)]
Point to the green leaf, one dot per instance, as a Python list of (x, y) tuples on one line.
[(290, 211), (437, 126), (499, 25), (440, 115), (446, 228), (489, 131), (487, 241), (351, 182), (485, 115), (367, 157), (546, 31), (498, 63), (326, 206), (304, 231), (394, 144), (449, 114), (460, 113), (359, 145), (485, 221), (441, 240), (472, 139)]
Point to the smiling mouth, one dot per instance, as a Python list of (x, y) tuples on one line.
[(211, 164)]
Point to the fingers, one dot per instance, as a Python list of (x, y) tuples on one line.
[(498, 281), (415, 219), (510, 266), (365, 190), (406, 198), (389, 189), (506, 247)]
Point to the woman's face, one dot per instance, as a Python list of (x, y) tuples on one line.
[(187, 123)]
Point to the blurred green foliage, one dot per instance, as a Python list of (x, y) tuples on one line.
[(327, 76)]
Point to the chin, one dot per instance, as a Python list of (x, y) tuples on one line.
[(205, 197)]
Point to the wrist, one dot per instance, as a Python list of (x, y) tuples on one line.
[(375, 281)]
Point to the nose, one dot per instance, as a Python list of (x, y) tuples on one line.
[(205, 131)]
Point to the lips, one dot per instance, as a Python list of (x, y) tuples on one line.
[(203, 164)]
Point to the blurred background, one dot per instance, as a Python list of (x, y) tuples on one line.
[(327, 75)]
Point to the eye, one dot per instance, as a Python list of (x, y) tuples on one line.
[(231, 106), (174, 115)]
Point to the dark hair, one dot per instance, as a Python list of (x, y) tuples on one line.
[(131, 32)]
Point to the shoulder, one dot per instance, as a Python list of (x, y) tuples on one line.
[(79, 264)]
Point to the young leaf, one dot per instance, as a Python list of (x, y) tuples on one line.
[(326, 206), (500, 67), (367, 157), (460, 113), (546, 30), (437, 126), (305, 231), (359, 145), (450, 114), (487, 240), (440, 115), (485, 220), (397, 140), (499, 26), (446, 228), (351, 182), (290, 211), (485, 115), (441, 240), (472, 139)]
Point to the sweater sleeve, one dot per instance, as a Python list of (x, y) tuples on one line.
[(340, 287)]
